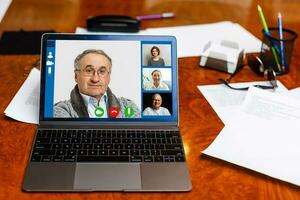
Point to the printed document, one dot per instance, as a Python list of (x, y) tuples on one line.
[(4, 5), (263, 136), (225, 101), (24, 106)]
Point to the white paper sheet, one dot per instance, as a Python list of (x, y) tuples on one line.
[(295, 93), (24, 106), (4, 4), (263, 136), (225, 101), (191, 39)]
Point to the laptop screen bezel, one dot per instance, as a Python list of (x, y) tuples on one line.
[(135, 121)]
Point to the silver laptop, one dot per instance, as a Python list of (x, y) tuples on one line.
[(108, 116)]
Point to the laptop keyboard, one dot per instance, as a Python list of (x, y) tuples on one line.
[(107, 146)]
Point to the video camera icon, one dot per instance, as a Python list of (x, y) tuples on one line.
[(129, 112)]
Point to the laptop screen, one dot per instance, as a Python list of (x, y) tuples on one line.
[(109, 78)]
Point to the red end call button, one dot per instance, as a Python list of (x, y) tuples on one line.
[(113, 112)]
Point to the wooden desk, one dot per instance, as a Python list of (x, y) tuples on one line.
[(211, 178)]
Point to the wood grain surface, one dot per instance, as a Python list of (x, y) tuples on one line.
[(211, 178)]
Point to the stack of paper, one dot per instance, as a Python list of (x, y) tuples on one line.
[(263, 135), (192, 39), (226, 102)]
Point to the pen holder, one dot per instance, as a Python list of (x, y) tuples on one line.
[(281, 53)]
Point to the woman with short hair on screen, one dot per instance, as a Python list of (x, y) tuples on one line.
[(157, 83), (155, 59)]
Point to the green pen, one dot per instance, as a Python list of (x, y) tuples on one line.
[(265, 27)]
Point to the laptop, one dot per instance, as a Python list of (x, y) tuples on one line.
[(108, 116)]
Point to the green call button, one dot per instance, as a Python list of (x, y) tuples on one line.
[(99, 112)]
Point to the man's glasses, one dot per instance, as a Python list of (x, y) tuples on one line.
[(90, 72), (258, 67)]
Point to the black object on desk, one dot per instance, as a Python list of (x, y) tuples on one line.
[(21, 42), (113, 23)]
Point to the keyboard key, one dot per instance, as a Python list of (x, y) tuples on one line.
[(160, 135), (154, 152), (134, 152), (124, 141), (158, 159), (92, 152), (136, 140), (43, 146), (124, 152), (71, 152), (119, 146), (67, 146), (141, 135), (42, 140), (116, 140), (86, 140), (106, 140), (173, 146), (87, 146), (41, 134), (98, 146), (46, 158), (55, 140), (128, 146), (38, 152), (56, 146), (179, 159), (113, 152), (136, 159), (159, 146), (69, 158), (148, 159), (103, 159), (108, 146), (96, 140), (65, 140), (139, 146), (57, 158), (150, 135), (77, 146), (171, 152), (131, 135), (61, 152), (36, 158), (82, 152), (145, 152), (169, 159), (75, 140), (103, 152), (146, 140)]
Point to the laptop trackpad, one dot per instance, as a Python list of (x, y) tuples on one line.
[(107, 176)]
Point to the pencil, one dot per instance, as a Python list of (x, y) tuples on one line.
[(283, 62), (265, 27)]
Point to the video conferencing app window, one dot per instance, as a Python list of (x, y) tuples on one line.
[(110, 80)]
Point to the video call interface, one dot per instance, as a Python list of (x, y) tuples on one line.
[(110, 80)]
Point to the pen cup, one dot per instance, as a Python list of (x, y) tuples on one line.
[(283, 48)]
